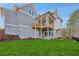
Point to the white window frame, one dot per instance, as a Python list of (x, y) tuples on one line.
[(26, 13), (32, 12)]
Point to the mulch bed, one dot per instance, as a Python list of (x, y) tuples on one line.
[(2, 39), (5, 39)]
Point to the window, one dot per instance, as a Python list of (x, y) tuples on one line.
[(49, 33), (43, 20), (52, 33), (50, 20), (29, 11), (39, 21), (39, 33), (32, 13), (45, 33)]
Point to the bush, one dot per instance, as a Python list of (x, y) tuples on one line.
[(75, 38), (3, 39)]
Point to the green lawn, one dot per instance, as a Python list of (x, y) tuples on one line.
[(39, 47)]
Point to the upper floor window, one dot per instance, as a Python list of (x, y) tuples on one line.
[(50, 20), (44, 20), (29, 11), (33, 13), (39, 21), (52, 33)]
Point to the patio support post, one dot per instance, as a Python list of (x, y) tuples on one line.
[(47, 22), (35, 32), (41, 33), (47, 33), (41, 28)]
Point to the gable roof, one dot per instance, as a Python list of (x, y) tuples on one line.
[(51, 14), (47, 13)]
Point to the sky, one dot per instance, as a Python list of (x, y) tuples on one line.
[(64, 10)]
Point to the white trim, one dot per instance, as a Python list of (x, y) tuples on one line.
[(35, 32), (25, 26), (47, 20), (41, 29), (11, 25), (18, 25)]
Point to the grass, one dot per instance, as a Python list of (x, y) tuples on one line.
[(39, 48)]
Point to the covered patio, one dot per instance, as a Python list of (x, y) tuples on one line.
[(44, 24)]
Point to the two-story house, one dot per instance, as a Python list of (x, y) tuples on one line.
[(24, 22)]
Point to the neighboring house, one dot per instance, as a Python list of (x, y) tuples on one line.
[(24, 22)]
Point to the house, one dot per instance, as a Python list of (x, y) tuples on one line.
[(24, 22)]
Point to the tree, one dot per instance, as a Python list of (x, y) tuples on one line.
[(71, 21)]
